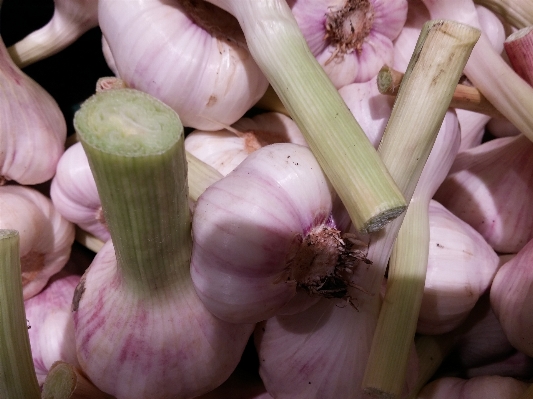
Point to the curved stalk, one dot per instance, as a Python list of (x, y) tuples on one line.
[(17, 374), (336, 139)]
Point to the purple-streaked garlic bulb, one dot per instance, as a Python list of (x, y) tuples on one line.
[(32, 127), (511, 296), (71, 19), (46, 237), (498, 127), (320, 352), (265, 231), (351, 39), (516, 365), (225, 149), (490, 187), (51, 331), (188, 54), (74, 194), (493, 386), (461, 266)]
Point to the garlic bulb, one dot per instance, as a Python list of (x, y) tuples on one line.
[(351, 39), (225, 149), (263, 232), (190, 55), (511, 298), (478, 387), (32, 127), (71, 19), (461, 266), (489, 186), (74, 194), (52, 328), (515, 365), (45, 236)]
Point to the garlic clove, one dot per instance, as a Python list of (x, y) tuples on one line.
[(493, 386), (208, 78), (45, 236), (74, 194), (461, 266), (501, 128), (32, 127), (510, 296), (51, 329), (488, 188), (71, 19), (353, 39), (516, 365), (225, 149)]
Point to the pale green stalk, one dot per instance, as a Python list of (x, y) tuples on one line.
[(519, 13), (423, 99), (17, 374), (201, 176), (336, 139), (431, 350), (134, 144)]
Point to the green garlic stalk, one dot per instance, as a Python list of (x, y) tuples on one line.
[(341, 147), (17, 375)]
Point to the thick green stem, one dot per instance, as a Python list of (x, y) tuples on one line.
[(336, 139), (425, 93), (17, 374), (134, 144)]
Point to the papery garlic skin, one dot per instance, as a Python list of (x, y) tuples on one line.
[(489, 187), (248, 227), (156, 47), (74, 194), (51, 329), (225, 149), (461, 266), (45, 236), (478, 387), (191, 353), (344, 59), (32, 127), (511, 296)]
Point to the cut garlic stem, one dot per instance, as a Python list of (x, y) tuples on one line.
[(64, 381), (336, 139), (519, 49), (464, 97), (432, 74), (18, 379)]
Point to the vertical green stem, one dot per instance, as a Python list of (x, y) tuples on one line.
[(17, 374)]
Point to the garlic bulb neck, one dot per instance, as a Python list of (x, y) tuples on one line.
[(348, 27)]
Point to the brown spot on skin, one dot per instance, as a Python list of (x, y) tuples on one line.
[(31, 265), (212, 101), (78, 293)]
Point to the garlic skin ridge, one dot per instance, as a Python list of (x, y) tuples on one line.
[(118, 321), (488, 187), (379, 22), (461, 266), (511, 299), (46, 237), (52, 327), (74, 194), (32, 127), (248, 226), (158, 49), (225, 149)]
